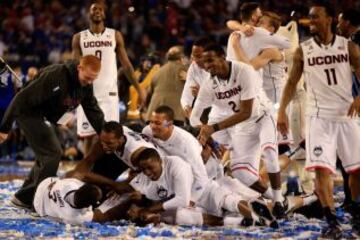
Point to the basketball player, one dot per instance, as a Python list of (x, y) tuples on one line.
[(114, 152), (73, 201), (168, 181), (194, 76), (175, 141), (253, 46), (261, 39), (272, 60), (326, 60), (231, 91), (108, 45)]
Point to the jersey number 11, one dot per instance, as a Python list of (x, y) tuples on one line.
[(331, 76)]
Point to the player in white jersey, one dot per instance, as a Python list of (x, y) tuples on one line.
[(325, 61), (115, 152), (231, 90), (194, 77), (71, 200), (253, 45), (168, 181), (108, 45), (175, 141), (260, 39), (270, 60)]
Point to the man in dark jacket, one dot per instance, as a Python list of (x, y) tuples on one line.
[(45, 102)]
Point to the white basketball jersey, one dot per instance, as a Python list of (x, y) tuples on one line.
[(195, 76), (103, 46), (328, 77), (176, 178), (184, 145), (224, 95), (274, 74), (253, 45), (50, 200), (134, 141)]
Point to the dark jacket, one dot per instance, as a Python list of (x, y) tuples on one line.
[(54, 91)]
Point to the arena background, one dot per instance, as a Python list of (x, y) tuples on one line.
[(37, 33)]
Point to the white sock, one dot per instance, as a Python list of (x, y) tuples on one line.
[(232, 220), (278, 197), (189, 216), (268, 194)]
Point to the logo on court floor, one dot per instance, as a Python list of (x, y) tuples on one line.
[(318, 150)]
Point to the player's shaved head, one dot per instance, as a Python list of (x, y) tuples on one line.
[(99, 2), (113, 127), (218, 49), (148, 153), (87, 195)]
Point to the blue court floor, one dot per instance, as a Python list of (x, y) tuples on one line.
[(20, 224)]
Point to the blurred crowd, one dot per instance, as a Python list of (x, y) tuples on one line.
[(39, 32)]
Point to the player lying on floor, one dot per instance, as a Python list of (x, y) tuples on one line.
[(73, 201), (168, 180)]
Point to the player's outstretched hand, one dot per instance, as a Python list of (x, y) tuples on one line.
[(3, 137), (283, 122), (354, 109), (205, 133)]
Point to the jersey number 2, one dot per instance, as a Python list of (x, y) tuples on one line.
[(233, 106), (98, 54), (331, 78)]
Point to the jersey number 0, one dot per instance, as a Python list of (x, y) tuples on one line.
[(98, 54)]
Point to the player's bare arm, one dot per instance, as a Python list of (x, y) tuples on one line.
[(94, 178), (237, 26), (243, 114), (266, 56), (354, 52), (86, 164), (289, 90), (239, 52), (127, 66), (75, 45)]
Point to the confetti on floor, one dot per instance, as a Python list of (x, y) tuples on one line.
[(21, 224)]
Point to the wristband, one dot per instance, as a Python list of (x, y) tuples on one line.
[(216, 127)]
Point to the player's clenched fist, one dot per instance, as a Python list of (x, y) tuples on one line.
[(282, 122)]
